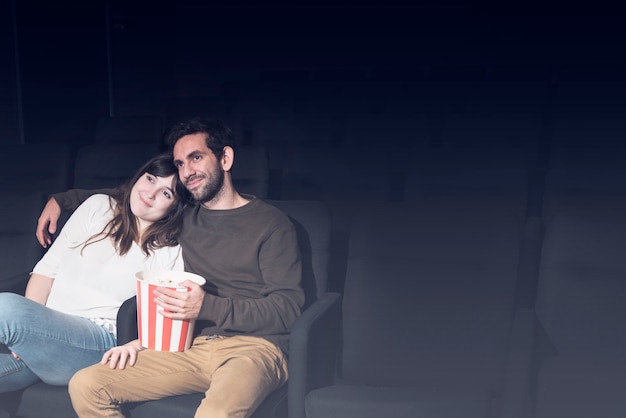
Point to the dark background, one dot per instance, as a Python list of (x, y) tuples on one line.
[(448, 55), (356, 81)]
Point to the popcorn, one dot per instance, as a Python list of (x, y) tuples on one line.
[(157, 332), (164, 282)]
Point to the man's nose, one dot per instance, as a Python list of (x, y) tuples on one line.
[(186, 171)]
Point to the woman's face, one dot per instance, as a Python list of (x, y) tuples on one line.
[(151, 198)]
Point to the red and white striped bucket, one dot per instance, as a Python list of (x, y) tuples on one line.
[(157, 332)]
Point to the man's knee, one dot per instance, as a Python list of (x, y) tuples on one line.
[(84, 385), (220, 410), (89, 394), (78, 383)]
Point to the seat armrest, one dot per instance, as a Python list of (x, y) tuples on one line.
[(530, 255), (518, 365), (15, 283), (127, 329), (313, 348)]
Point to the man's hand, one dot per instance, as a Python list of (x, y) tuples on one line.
[(47, 223), (180, 305), (119, 356)]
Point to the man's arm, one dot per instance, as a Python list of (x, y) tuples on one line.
[(47, 223), (281, 299), (58, 202)]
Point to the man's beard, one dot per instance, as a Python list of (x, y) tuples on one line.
[(211, 188)]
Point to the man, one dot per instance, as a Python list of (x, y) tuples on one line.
[(248, 253)]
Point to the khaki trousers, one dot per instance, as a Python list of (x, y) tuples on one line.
[(235, 373)]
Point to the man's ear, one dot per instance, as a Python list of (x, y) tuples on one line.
[(228, 158)]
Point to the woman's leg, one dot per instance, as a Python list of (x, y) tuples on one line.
[(14, 374), (53, 345)]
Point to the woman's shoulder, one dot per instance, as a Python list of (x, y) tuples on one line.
[(166, 258)]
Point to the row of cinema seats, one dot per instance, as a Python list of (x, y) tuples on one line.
[(434, 319), (345, 178), (445, 219)]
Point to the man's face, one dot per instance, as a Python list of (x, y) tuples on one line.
[(198, 168)]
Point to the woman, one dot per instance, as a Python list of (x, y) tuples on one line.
[(67, 318)]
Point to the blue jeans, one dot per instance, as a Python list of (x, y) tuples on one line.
[(51, 345)]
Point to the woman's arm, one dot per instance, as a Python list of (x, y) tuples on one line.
[(38, 288)]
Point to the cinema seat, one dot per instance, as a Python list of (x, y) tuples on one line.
[(140, 129), (430, 325), (101, 166), (580, 352), (19, 249), (44, 167)]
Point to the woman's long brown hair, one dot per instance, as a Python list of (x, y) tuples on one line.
[(122, 229)]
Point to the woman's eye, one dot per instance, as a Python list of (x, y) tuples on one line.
[(167, 195), (149, 177)]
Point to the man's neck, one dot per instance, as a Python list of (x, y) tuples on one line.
[(225, 200)]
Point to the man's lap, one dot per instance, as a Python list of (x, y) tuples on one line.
[(160, 374)]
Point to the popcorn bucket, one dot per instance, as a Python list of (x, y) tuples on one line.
[(157, 332)]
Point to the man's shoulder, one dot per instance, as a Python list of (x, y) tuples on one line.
[(270, 208)]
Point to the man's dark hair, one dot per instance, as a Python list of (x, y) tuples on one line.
[(217, 134)]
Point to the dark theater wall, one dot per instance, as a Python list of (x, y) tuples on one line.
[(9, 125), (459, 54), (63, 67)]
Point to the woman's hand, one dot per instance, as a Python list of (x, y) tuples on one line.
[(117, 357)]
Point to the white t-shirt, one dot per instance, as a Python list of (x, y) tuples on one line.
[(95, 283)]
